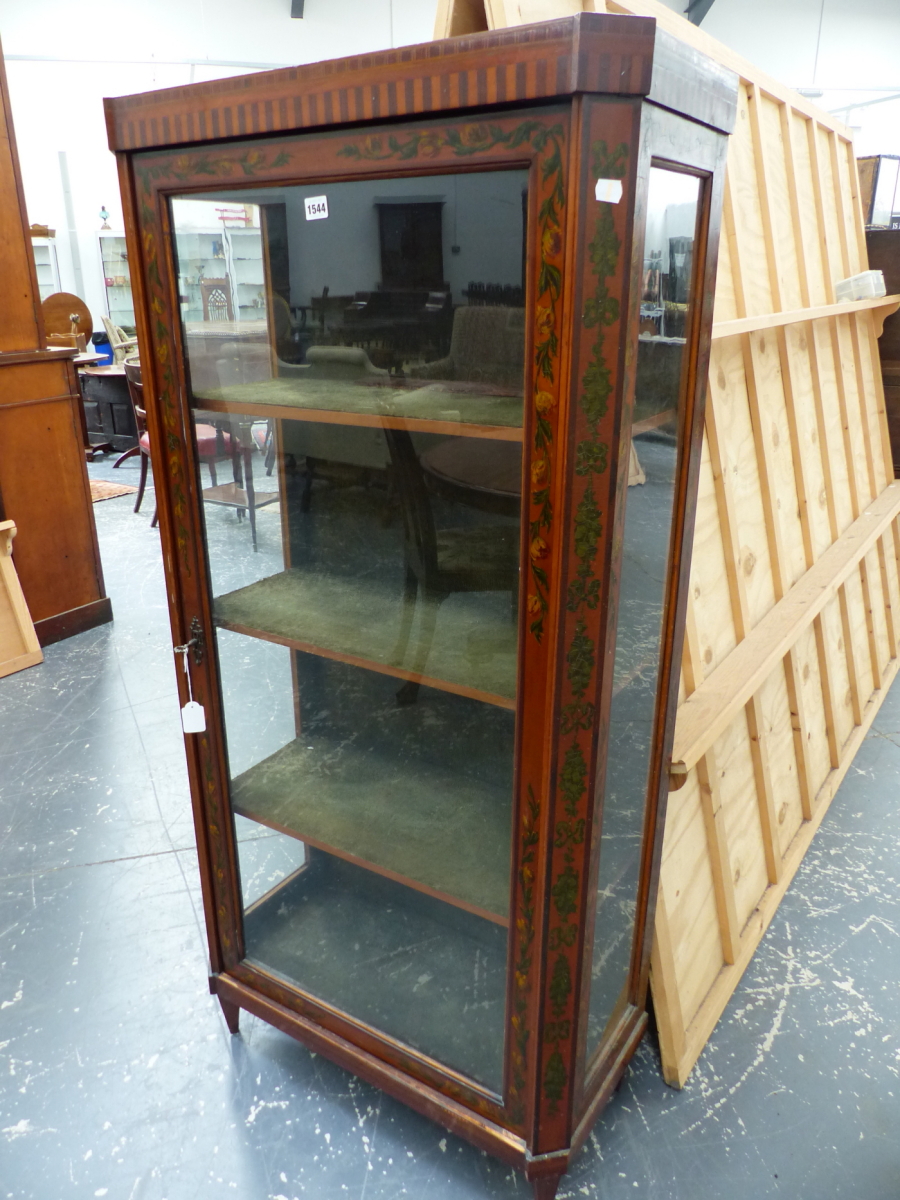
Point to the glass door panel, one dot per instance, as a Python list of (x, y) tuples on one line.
[(672, 209), (362, 526)]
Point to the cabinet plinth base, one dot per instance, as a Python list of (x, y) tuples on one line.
[(75, 620)]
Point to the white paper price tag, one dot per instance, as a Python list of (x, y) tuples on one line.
[(193, 718), (193, 715), (608, 191), (316, 208)]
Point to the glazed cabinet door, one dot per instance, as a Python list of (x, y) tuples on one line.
[(358, 437)]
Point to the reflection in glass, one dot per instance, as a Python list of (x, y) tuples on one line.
[(666, 296), (357, 390)]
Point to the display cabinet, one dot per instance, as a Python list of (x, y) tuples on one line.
[(438, 681), (46, 264), (116, 271)]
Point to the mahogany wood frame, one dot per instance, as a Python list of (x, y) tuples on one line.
[(574, 100)]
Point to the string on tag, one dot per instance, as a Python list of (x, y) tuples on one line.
[(187, 672)]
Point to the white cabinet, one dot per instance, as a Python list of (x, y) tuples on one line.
[(117, 280), (235, 255), (47, 265)]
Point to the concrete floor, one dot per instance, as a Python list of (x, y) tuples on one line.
[(118, 1077)]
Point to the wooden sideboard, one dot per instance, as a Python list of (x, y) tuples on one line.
[(43, 479)]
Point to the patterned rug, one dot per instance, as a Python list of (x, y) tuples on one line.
[(102, 490)]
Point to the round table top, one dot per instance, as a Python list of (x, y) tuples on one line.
[(485, 472), (57, 310), (486, 464)]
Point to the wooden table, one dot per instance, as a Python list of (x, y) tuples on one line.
[(109, 417), (485, 474)]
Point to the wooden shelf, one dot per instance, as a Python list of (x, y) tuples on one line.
[(756, 324), (232, 496), (435, 407), (432, 977), (357, 621), (430, 828)]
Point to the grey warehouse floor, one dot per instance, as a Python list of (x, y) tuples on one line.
[(118, 1077)]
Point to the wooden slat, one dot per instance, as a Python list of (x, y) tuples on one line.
[(722, 329), (707, 713)]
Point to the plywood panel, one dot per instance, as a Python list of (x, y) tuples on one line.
[(742, 821), (840, 673), (730, 401), (773, 452), (815, 732), (859, 634), (709, 574), (743, 180), (802, 412), (812, 280), (726, 300), (831, 431), (773, 159), (691, 905), (776, 710), (829, 229)]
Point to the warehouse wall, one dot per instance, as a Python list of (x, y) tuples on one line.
[(63, 58), (848, 49)]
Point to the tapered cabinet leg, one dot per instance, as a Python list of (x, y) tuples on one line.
[(232, 1014), (545, 1187)]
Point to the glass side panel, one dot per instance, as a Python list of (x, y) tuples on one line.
[(356, 358), (672, 208)]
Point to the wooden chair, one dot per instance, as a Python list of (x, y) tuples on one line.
[(121, 344), (482, 558), (212, 443), (216, 297), (487, 345), (320, 446)]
